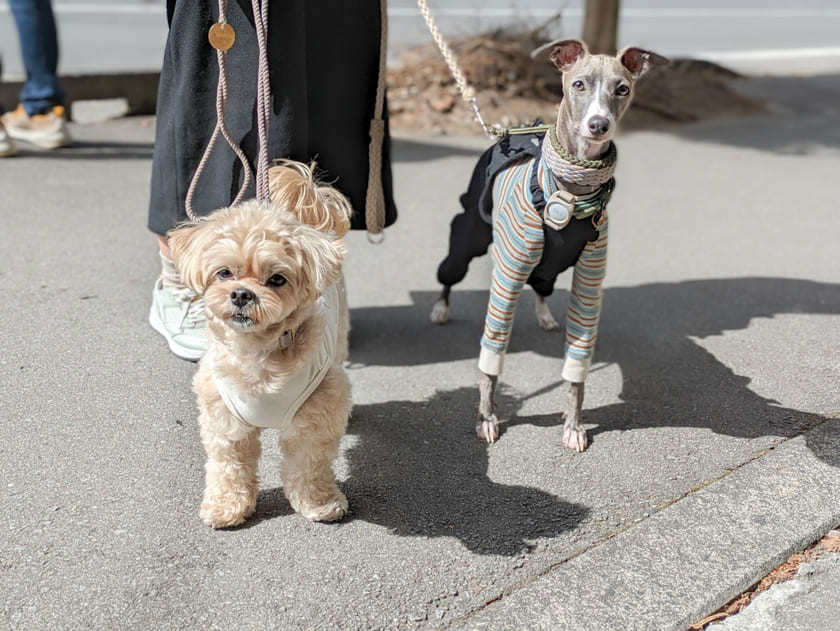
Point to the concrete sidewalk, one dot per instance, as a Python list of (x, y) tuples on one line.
[(712, 406)]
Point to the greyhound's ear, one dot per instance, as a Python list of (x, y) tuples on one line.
[(638, 61), (563, 53)]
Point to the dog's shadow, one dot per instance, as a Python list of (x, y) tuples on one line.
[(420, 473), (669, 380), (419, 469)]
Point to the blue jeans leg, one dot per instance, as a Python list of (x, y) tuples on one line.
[(39, 49)]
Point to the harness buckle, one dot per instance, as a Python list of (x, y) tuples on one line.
[(599, 219), (559, 209)]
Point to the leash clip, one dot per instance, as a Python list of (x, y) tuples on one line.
[(559, 209)]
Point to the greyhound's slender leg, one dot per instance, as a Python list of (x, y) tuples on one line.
[(487, 427), (574, 435), (440, 310)]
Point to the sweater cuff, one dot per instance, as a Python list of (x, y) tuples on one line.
[(575, 370), (490, 362)]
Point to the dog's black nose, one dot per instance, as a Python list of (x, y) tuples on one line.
[(241, 297), (599, 125)]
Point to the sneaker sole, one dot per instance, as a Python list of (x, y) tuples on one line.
[(190, 354), (45, 142)]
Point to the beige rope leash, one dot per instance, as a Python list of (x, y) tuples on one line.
[(222, 37), (263, 95), (494, 132), (467, 93)]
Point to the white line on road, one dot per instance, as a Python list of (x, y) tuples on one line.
[(768, 54), (669, 14), (496, 12), (102, 9)]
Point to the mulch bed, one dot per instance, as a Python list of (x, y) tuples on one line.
[(512, 89)]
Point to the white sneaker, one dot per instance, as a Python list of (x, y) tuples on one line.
[(7, 147), (177, 313), (47, 130)]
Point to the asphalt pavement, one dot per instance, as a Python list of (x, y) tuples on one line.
[(712, 406)]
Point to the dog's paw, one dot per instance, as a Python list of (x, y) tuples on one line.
[(440, 312), (226, 514), (548, 323), (487, 429), (575, 438), (544, 317), (333, 510)]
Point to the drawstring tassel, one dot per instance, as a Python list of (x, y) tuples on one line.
[(375, 199)]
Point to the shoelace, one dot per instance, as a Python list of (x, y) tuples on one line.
[(194, 312)]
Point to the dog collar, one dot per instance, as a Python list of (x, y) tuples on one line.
[(561, 206), (571, 169)]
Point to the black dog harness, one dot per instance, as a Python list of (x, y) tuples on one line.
[(562, 246)]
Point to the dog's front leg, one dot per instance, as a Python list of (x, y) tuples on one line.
[(487, 428), (309, 447), (231, 482), (582, 317), (574, 435)]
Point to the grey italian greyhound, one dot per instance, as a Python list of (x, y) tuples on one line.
[(541, 200)]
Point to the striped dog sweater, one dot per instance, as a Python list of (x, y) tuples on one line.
[(518, 248)]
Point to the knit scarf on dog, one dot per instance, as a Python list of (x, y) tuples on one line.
[(573, 170)]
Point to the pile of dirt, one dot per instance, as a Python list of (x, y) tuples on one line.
[(512, 89)]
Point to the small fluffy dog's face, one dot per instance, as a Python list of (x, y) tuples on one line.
[(255, 264)]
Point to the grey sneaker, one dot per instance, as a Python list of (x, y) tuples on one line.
[(177, 313)]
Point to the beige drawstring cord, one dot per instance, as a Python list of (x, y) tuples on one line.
[(375, 198)]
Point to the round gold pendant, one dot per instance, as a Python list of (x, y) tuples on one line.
[(221, 36)]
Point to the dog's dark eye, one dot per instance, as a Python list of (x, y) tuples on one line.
[(578, 85), (278, 280), (224, 273), (622, 90)]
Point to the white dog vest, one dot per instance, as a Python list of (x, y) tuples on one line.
[(275, 409)]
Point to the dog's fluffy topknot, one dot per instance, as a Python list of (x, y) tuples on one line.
[(293, 186)]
